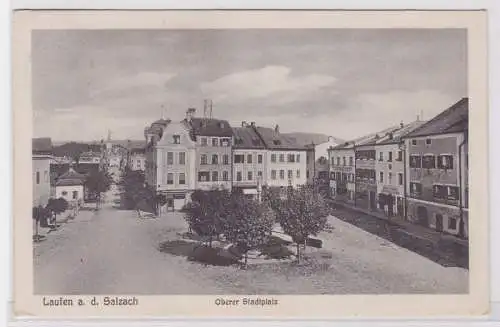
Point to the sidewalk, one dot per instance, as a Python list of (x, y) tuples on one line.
[(408, 227)]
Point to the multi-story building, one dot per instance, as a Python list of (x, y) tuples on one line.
[(249, 160), (342, 172), (137, 159), (41, 159), (286, 160), (317, 160), (213, 139), (90, 157), (170, 162), (390, 171), (366, 172), (437, 169)]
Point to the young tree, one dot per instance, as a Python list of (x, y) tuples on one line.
[(207, 212), (249, 225), (302, 214), (98, 183), (131, 184), (56, 206), (272, 197)]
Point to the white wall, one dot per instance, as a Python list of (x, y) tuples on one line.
[(69, 192), (301, 166), (41, 190)]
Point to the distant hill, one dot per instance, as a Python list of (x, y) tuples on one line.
[(71, 149), (308, 138)]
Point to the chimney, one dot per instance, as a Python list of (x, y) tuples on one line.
[(190, 113), (252, 124), (243, 124), (401, 124), (277, 129)]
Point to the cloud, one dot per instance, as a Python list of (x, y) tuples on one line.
[(125, 84), (264, 82)]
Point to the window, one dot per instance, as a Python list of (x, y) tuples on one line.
[(170, 158), (291, 158), (215, 141), (453, 192), (239, 158), (297, 158), (249, 158), (273, 174), (225, 176), (203, 159), (332, 175), (259, 158), (75, 195), (204, 176), (452, 223), (203, 141), (238, 176), (182, 178), (415, 189), (400, 156), (182, 158), (38, 177), (400, 178), (381, 177), (250, 175), (225, 142), (389, 178), (259, 174), (215, 159), (428, 161), (440, 191), (343, 161), (282, 158), (381, 156), (350, 161), (215, 176), (273, 157), (290, 174), (332, 160), (225, 159), (177, 139), (282, 174), (390, 156), (298, 173), (64, 193), (170, 178), (428, 141), (338, 161), (307, 173), (445, 162), (413, 142), (415, 161)]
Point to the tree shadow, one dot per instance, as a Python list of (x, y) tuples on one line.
[(197, 252)]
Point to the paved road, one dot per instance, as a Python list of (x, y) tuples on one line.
[(113, 252)]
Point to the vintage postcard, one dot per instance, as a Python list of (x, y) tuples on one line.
[(286, 164)]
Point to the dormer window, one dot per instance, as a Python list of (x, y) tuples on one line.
[(177, 139), (276, 142)]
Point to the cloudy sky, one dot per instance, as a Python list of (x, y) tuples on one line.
[(343, 83)]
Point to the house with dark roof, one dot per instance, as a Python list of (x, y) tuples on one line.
[(437, 171), (249, 160), (70, 186), (213, 139), (286, 159)]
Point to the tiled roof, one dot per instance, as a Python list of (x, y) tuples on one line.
[(71, 177), (137, 151), (211, 127), (364, 140), (247, 138), (42, 145), (400, 132), (276, 141), (455, 119)]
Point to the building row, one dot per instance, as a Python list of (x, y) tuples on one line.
[(207, 153), (416, 172)]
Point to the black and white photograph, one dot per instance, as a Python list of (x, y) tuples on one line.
[(247, 163)]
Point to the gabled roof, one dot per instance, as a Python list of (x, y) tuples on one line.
[(397, 135), (247, 138), (455, 119), (277, 141), (71, 177), (210, 127), (42, 145)]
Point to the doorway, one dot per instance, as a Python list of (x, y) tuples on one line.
[(422, 216), (439, 222)]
